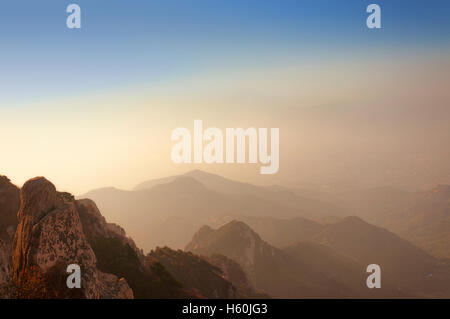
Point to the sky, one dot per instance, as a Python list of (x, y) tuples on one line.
[(95, 107)]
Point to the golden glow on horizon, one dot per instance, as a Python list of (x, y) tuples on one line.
[(324, 113)]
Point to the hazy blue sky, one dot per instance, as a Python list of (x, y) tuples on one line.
[(127, 42)]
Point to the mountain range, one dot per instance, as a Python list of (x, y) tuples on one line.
[(255, 242), (170, 209), (422, 217), (330, 265)]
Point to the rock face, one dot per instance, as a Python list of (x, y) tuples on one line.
[(55, 230), (50, 237), (5, 261), (9, 205), (95, 226), (238, 242)]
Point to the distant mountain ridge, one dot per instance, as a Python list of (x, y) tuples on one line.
[(311, 207), (182, 203), (332, 264), (173, 208), (252, 256), (423, 217), (282, 273)]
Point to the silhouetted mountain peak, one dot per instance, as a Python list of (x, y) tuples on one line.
[(182, 182), (352, 228), (105, 189), (231, 232), (205, 230), (237, 225), (187, 181), (199, 173), (368, 244), (355, 220), (202, 233)]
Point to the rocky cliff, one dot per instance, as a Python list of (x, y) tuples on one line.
[(43, 231), (95, 226), (50, 237), (9, 205), (5, 257)]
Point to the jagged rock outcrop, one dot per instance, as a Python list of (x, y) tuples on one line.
[(118, 254), (9, 205), (50, 237), (95, 226), (5, 266)]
